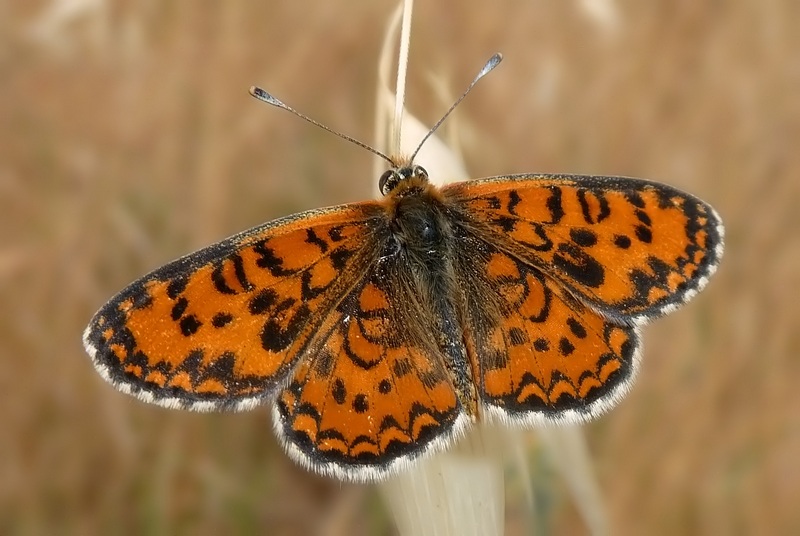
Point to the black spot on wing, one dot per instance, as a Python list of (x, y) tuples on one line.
[(220, 320), (218, 279), (643, 234), (262, 302), (634, 198), (192, 364), (309, 410), (269, 261), (431, 378), (179, 308), (505, 223), (513, 200), (360, 403), (586, 209), (385, 387), (339, 257), (335, 234), (576, 328), (137, 359), (312, 238), (141, 297), (241, 276), (189, 325), (544, 312), (622, 241), (583, 237), (579, 265), (275, 338), (389, 422), (565, 346), (176, 286), (554, 205), (493, 360), (339, 391)]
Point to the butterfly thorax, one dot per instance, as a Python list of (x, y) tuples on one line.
[(417, 221)]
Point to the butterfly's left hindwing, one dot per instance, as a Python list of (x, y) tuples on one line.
[(629, 248), (221, 327), (543, 356)]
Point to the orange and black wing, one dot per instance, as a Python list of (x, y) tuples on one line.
[(629, 248), (542, 355), (222, 327), (560, 273), (374, 391)]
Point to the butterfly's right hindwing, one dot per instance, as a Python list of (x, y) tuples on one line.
[(374, 392)]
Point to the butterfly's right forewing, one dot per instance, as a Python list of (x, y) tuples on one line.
[(220, 328)]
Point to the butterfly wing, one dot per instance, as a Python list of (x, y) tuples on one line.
[(220, 328), (559, 273), (629, 248), (375, 391), (543, 356)]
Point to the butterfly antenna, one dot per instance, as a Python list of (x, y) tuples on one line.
[(493, 62), (262, 95)]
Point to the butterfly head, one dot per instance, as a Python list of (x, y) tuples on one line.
[(406, 175)]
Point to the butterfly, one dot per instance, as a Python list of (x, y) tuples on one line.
[(380, 331)]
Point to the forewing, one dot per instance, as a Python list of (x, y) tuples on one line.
[(630, 248), (373, 391), (543, 356), (221, 327)]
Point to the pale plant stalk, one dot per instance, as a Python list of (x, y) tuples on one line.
[(566, 446), (458, 491), (402, 70), (461, 491)]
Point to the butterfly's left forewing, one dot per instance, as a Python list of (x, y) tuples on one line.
[(220, 328), (629, 248), (558, 273)]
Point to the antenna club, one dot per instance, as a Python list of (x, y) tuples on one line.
[(493, 62), (262, 95)]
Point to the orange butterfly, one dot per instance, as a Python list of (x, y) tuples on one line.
[(381, 330)]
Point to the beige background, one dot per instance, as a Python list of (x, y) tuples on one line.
[(127, 138)]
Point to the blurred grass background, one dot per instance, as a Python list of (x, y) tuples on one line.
[(127, 138)]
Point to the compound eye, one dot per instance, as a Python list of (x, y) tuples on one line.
[(421, 172), (388, 181)]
